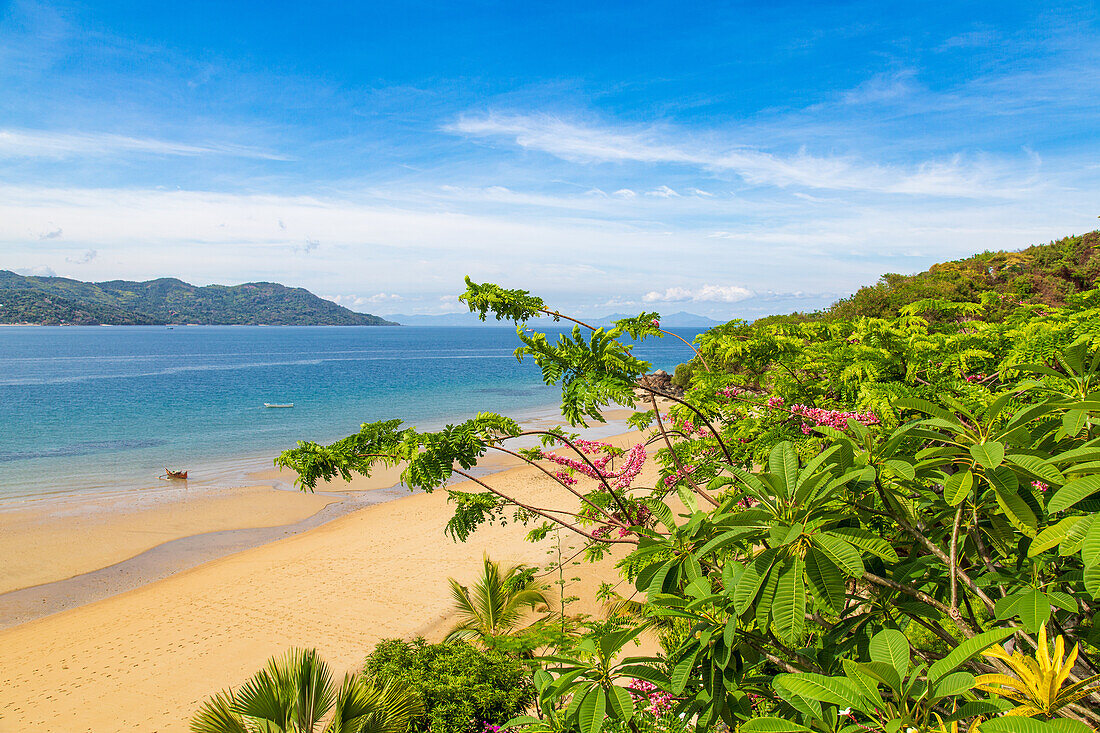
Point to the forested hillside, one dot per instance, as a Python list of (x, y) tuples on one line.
[(58, 300), (1045, 273)]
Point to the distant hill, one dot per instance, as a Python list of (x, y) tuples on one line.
[(675, 320), (59, 300)]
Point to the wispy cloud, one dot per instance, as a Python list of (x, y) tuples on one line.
[(61, 145), (603, 143)]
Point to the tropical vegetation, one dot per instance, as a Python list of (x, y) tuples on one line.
[(871, 519), (297, 693), (499, 602), (462, 689)]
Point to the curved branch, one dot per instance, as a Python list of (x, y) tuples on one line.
[(570, 489), (679, 464), (543, 512), (696, 410)]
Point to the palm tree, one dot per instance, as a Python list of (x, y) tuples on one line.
[(296, 694), (497, 603)]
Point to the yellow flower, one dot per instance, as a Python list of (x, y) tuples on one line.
[(1037, 686)]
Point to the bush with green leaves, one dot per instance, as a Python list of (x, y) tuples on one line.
[(828, 492), (462, 688)]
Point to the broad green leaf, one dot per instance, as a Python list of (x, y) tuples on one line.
[(729, 633), (767, 597), (1037, 468), (1019, 724), (783, 463), (1073, 421), (965, 651), (1076, 536), (842, 554), (958, 486), (1033, 609), (1064, 601), (1092, 580), (681, 673), (832, 690), (622, 705), (1006, 607), (890, 646), (748, 586), (866, 684), (952, 684), (902, 468), (1011, 503), (725, 539), (1052, 536), (826, 581), (772, 725), (1074, 492), (593, 708), (989, 454), (882, 672), (866, 541), (1090, 546), (789, 606)]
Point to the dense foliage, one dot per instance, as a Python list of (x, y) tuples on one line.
[(1045, 274), (57, 300), (462, 688), (866, 523)]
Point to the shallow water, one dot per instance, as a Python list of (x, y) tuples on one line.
[(104, 408)]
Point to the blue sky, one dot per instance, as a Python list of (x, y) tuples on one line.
[(730, 159)]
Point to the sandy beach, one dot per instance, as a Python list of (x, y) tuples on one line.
[(143, 660)]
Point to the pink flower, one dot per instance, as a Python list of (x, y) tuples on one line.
[(656, 323), (775, 402), (1039, 485), (833, 418)]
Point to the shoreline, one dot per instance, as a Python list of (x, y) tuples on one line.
[(71, 549), (144, 659)]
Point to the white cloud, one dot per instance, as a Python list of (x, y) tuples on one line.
[(587, 143), (355, 302), (624, 193), (51, 234), (37, 271), (60, 145), (83, 258), (702, 294), (663, 192)]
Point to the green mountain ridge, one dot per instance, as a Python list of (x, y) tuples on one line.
[(59, 300)]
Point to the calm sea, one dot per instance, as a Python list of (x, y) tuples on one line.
[(102, 408)]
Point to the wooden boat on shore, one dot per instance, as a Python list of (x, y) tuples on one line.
[(169, 475), (274, 404)]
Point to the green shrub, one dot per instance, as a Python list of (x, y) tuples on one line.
[(461, 686), (682, 377)]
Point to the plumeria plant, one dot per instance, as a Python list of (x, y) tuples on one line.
[(848, 513)]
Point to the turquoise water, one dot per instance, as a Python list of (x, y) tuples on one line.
[(102, 408)]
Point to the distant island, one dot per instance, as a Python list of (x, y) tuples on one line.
[(52, 301)]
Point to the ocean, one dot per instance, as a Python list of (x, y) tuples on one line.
[(98, 409)]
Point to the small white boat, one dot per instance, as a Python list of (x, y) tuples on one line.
[(272, 404)]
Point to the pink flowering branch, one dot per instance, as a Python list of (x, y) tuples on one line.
[(559, 479)]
